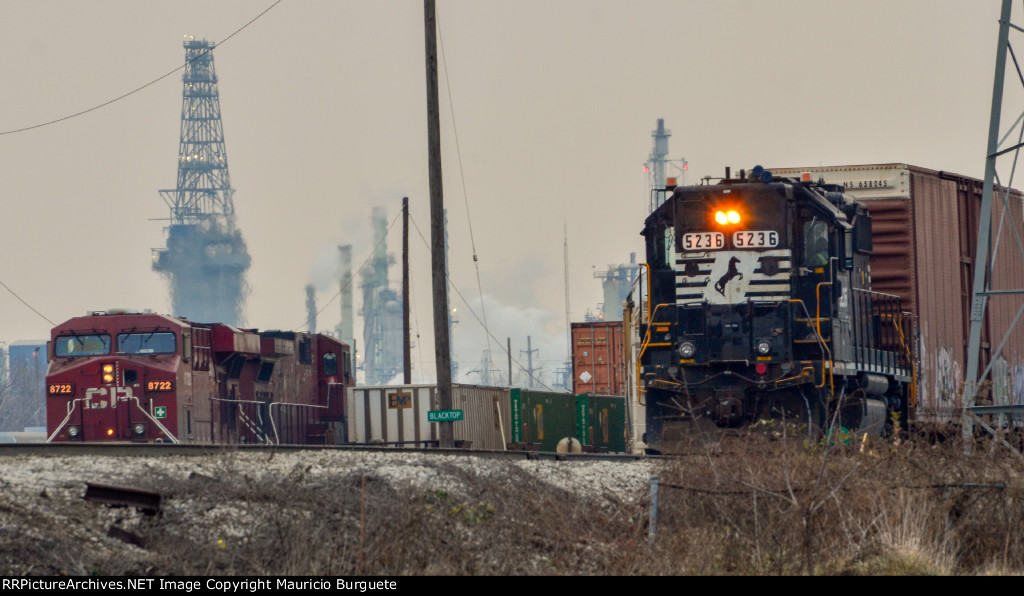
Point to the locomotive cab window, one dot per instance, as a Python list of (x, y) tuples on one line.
[(82, 345), (265, 372), (815, 244), (670, 246), (153, 342), (330, 364)]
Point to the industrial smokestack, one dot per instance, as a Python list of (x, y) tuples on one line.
[(346, 330), (311, 307)]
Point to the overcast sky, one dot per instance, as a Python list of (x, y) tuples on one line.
[(552, 103)]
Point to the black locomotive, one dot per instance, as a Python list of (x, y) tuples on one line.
[(760, 307)]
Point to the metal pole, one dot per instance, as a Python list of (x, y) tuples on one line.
[(529, 360), (406, 348), (978, 300), (508, 349), (442, 349), (568, 317)]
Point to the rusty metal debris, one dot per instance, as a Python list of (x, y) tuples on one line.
[(146, 501)]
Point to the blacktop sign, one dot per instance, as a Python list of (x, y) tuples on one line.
[(444, 415)]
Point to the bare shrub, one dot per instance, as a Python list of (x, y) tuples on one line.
[(762, 504)]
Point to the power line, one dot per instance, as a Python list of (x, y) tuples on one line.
[(134, 91), (52, 324), (472, 312), (465, 195), (107, 103)]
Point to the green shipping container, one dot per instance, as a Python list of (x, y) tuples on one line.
[(542, 418), (601, 422)]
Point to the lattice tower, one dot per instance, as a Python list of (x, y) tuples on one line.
[(206, 258)]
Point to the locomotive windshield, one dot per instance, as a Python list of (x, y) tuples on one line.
[(153, 342), (82, 345)]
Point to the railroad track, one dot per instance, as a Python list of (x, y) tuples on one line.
[(151, 450)]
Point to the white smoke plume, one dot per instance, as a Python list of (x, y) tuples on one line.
[(537, 330)]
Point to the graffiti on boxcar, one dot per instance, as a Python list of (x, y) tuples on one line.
[(1017, 384), (1000, 376), (947, 376), (923, 372)]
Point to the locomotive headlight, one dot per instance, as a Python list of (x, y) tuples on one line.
[(763, 347), (73, 431), (687, 349), (727, 217), (108, 373), (140, 429)]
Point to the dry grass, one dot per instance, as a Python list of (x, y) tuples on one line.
[(769, 506), (757, 505)]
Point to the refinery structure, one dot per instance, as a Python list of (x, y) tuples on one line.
[(382, 311), (618, 279), (205, 259), (345, 331), (616, 284)]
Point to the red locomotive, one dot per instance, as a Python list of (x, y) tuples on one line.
[(146, 377)]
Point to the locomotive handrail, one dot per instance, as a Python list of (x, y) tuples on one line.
[(803, 373), (273, 424), (912, 402), (831, 378), (880, 346), (71, 409), (241, 414), (643, 348), (73, 404), (255, 427), (819, 340), (154, 420), (648, 267)]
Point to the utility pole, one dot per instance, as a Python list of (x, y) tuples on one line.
[(508, 350), (529, 358), (406, 353), (568, 320), (442, 347)]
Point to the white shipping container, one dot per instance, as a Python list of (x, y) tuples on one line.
[(397, 415)]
